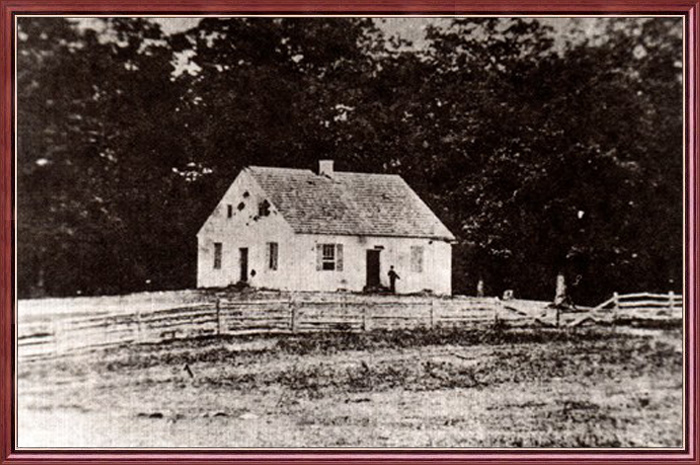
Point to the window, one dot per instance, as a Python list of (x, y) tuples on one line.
[(417, 259), (329, 257), (272, 254), (218, 247), (229, 211)]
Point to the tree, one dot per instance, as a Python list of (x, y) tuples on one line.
[(87, 115), (566, 162), (268, 92), (543, 155)]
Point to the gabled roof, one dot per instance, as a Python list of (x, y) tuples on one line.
[(348, 203)]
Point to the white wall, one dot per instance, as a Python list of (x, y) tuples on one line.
[(437, 264), (244, 229), (297, 260)]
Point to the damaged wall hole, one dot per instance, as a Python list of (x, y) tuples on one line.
[(264, 208)]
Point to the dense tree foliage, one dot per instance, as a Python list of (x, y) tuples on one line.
[(543, 151)]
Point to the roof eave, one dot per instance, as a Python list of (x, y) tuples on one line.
[(450, 239)]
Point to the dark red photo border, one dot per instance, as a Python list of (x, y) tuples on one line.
[(10, 8)]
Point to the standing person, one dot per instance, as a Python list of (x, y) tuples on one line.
[(392, 279)]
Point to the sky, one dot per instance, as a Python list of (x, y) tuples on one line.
[(408, 28), (412, 29)]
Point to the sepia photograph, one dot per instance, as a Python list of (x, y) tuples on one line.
[(350, 232)]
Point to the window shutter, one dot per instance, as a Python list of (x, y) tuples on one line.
[(275, 252), (218, 248), (268, 255), (417, 259), (319, 257), (339, 257)]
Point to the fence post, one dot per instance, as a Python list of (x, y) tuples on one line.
[(671, 300), (218, 316), (495, 312), (292, 314), (366, 318), (616, 308), (139, 326), (432, 312), (54, 330), (480, 288)]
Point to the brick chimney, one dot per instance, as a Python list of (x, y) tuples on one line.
[(325, 168)]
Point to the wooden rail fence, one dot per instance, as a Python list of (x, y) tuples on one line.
[(299, 313), (637, 306)]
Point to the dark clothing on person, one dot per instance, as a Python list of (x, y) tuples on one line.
[(392, 280)]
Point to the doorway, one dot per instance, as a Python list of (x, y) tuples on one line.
[(373, 268), (244, 264)]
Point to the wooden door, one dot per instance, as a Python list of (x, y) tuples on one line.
[(244, 263), (373, 268)]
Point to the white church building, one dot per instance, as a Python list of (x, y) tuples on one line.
[(293, 229)]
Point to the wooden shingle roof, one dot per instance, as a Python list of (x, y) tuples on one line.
[(349, 203)]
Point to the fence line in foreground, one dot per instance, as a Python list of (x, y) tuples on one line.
[(300, 313)]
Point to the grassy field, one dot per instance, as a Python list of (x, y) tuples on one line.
[(440, 388)]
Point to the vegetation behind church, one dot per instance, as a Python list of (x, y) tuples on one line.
[(542, 150)]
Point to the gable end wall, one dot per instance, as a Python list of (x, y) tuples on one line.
[(244, 229)]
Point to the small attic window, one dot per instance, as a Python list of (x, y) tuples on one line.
[(264, 208), (241, 206), (246, 194), (229, 211)]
